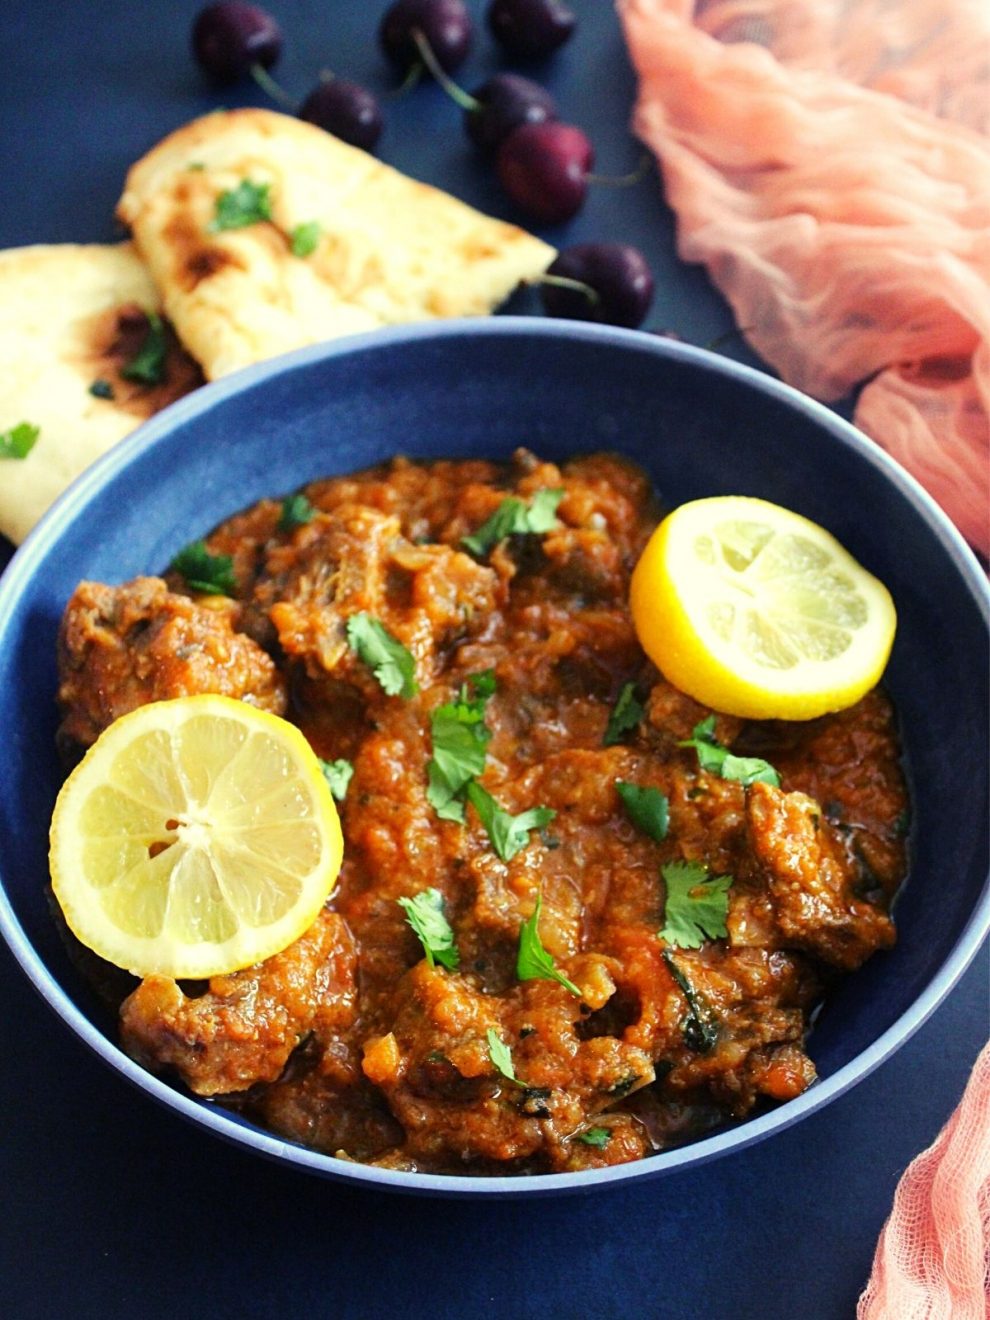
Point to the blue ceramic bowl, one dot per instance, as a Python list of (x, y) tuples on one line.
[(701, 426)]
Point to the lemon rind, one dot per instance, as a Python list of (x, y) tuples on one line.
[(721, 676), (162, 954)]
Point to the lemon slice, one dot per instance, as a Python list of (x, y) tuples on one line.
[(196, 837), (755, 611)]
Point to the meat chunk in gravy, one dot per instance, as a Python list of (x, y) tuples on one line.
[(121, 647), (350, 1040)]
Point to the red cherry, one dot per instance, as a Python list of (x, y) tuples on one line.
[(347, 110), (530, 28), (617, 284), (230, 38), (502, 103), (544, 169), (445, 25)]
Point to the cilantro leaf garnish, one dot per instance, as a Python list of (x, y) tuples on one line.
[(508, 834), (542, 514), (19, 440), (647, 808), (483, 684), (305, 239), (338, 776), (626, 714), (718, 760), (501, 1056), (696, 906), (386, 657), (598, 1137), (212, 574), (296, 512), (533, 963), (101, 389), (425, 915), (247, 204), (147, 366), (460, 739), (514, 518), (508, 518), (700, 1027)]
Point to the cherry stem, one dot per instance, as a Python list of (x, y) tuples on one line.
[(268, 85), (413, 75), (623, 180), (457, 94), (565, 282)]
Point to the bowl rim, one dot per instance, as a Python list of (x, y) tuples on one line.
[(228, 1126)]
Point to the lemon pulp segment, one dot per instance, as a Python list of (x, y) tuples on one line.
[(758, 612), (197, 836)]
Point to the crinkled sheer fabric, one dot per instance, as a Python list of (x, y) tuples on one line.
[(828, 161), (933, 1258)]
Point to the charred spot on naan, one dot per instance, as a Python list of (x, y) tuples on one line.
[(195, 258), (206, 262), (390, 249), (109, 340)]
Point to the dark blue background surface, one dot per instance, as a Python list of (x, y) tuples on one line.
[(114, 1208)]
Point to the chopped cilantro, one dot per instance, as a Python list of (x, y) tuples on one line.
[(696, 905), (19, 440), (147, 366), (542, 515), (483, 683), (533, 963), (338, 776), (626, 714), (460, 739), (101, 389), (647, 808), (718, 760), (212, 574), (387, 658), (247, 204), (514, 518), (296, 512), (700, 1027), (508, 834), (305, 239), (425, 915), (598, 1137), (501, 1056)]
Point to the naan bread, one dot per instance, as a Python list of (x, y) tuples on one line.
[(390, 249), (71, 315)]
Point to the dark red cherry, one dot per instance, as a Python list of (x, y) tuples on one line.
[(444, 24), (530, 28), (617, 275), (347, 110), (503, 103), (228, 39), (544, 169)]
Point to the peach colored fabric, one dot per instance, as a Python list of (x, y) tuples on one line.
[(828, 161), (933, 1258)]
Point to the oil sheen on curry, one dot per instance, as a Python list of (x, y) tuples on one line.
[(587, 794)]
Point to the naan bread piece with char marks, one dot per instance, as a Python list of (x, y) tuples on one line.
[(71, 315), (389, 249)]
